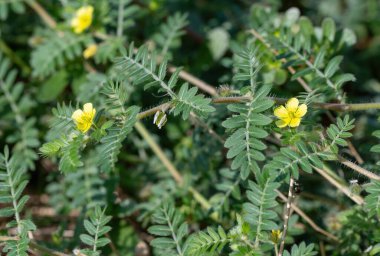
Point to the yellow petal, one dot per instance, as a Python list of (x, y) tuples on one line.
[(87, 108), (295, 122), (74, 22), (282, 123), (78, 30), (292, 105), (84, 127), (85, 11), (90, 51), (281, 112), (77, 115), (301, 111)]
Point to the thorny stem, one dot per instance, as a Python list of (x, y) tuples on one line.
[(358, 168), (287, 215)]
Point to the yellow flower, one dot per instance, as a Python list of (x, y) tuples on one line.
[(290, 114), (275, 236), (82, 19), (83, 119), (90, 51), (153, 5)]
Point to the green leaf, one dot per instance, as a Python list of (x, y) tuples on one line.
[(6, 212), (218, 42), (162, 243), (159, 230), (53, 87), (89, 227), (333, 66), (87, 239), (302, 73), (171, 231), (329, 28)]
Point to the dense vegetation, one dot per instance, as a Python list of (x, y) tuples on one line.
[(159, 127)]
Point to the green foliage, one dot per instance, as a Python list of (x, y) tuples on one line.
[(248, 66), (141, 68), (124, 12), (168, 37), (56, 51), (12, 185), (96, 228), (83, 189), (301, 250), (289, 161), (170, 231), (16, 6), (111, 144), (339, 132), (373, 198), (228, 188), (14, 105), (161, 193), (62, 123), (209, 242), (206, 182), (71, 157), (358, 228), (244, 144), (296, 49), (259, 211)]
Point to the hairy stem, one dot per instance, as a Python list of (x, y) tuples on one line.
[(195, 81), (358, 168), (357, 199)]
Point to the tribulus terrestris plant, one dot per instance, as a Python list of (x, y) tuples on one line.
[(189, 128)]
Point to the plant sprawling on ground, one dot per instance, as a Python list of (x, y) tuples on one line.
[(157, 127)]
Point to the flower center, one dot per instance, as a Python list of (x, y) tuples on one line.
[(291, 114)]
